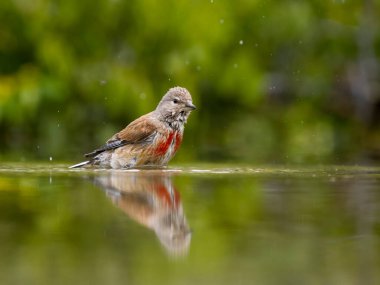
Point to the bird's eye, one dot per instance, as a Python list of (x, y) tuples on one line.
[(175, 101)]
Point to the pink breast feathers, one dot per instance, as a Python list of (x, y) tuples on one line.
[(178, 140), (164, 145)]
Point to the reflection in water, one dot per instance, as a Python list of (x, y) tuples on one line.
[(151, 200)]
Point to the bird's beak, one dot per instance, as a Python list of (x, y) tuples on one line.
[(190, 106)]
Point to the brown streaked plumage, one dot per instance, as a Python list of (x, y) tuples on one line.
[(150, 198), (149, 141)]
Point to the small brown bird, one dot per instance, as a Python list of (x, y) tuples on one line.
[(149, 141), (151, 199)]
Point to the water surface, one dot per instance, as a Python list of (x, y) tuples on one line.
[(205, 224)]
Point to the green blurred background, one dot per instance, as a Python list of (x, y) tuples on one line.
[(274, 81)]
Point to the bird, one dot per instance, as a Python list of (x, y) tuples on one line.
[(151, 199), (149, 141)]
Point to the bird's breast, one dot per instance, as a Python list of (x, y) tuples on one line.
[(178, 140), (169, 144)]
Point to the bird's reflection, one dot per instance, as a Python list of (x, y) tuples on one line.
[(151, 199)]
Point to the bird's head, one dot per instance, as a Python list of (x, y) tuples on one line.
[(176, 105)]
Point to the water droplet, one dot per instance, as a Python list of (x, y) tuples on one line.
[(236, 65), (241, 42), (221, 21), (211, 1), (169, 79), (272, 87), (50, 158), (58, 125), (103, 82), (58, 111)]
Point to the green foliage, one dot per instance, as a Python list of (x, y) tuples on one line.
[(265, 75)]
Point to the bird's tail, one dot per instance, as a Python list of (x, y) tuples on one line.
[(80, 164)]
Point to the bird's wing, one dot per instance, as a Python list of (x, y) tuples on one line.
[(140, 131)]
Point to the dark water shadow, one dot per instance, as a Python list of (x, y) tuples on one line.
[(151, 200)]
